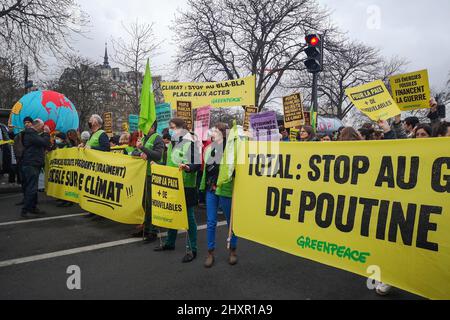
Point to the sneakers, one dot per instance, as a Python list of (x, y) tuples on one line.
[(383, 289), (210, 259), (233, 260)]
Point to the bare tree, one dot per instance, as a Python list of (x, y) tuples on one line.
[(31, 28), (83, 84), (132, 54), (10, 76), (347, 64), (229, 39)]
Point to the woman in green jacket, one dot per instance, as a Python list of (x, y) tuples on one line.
[(182, 153), (217, 196)]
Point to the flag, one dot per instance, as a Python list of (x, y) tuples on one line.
[(148, 109), (229, 159)]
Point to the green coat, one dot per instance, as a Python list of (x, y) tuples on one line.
[(225, 190)]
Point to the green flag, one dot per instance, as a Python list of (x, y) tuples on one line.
[(148, 109), (230, 155)]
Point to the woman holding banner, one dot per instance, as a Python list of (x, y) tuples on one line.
[(217, 196), (183, 154)]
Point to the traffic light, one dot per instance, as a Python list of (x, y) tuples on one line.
[(314, 52)]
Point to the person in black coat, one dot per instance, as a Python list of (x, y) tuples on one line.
[(36, 141)]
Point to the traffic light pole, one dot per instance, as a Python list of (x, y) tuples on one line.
[(315, 99)]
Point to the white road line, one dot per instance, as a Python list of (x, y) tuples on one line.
[(42, 219), (10, 197), (69, 252)]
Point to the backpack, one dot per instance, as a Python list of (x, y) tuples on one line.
[(18, 147)]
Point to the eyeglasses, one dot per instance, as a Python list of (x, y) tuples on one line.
[(303, 131)]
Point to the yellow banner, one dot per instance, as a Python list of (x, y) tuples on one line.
[(374, 100), (169, 208), (378, 209), (2, 142), (411, 91), (109, 185), (231, 93)]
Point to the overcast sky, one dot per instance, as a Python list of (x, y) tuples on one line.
[(416, 30)]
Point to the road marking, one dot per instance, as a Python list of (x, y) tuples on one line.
[(69, 252), (42, 219), (10, 197)]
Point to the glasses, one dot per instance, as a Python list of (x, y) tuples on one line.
[(303, 131)]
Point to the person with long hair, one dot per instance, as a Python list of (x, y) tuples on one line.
[(350, 134), (307, 134), (217, 196), (184, 155)]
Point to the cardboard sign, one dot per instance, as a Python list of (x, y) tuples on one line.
[(264, 126), (184, 111), (133, 121), (108, 123), (163, 116), (293, 111), (374, 100), (411, 91), (249, 110), (202, 122)]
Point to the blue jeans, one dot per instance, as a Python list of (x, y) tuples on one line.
[(212, 204), (30, 176)]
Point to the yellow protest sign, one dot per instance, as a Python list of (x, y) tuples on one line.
[(109, 185), (216, 94), (293, 111), (411, 91), (356, 206), (169, 208), (249, 110), (374, 100), (293, 134)]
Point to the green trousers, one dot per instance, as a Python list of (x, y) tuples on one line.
[(192, 243)]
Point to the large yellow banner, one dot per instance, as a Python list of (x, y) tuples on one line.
[(357, 206), (411, 91), (230, 93), (169, 208), (374, 100), (107, 184)]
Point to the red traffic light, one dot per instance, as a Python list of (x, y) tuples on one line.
[(313, 40)]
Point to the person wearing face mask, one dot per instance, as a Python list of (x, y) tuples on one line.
[(184, 155), (217, 196), (99, 140), (36, 141), (150, 149)]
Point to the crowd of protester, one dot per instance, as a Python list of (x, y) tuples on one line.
[(200, 177)]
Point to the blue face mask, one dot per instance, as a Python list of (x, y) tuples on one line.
[(172, 133)]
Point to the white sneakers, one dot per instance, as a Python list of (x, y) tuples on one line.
[(383, 289)]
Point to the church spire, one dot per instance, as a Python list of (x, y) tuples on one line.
[(106, 59)]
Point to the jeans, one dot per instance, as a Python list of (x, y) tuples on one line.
[(212, 205), (30, 176), (192, 243), (149, 228)]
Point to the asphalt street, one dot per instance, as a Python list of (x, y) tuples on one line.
[(35, 256)]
